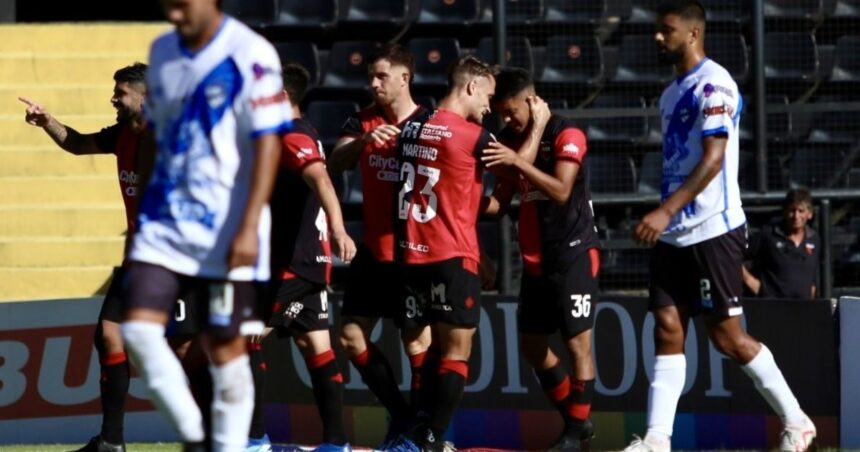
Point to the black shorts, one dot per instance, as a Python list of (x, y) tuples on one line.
[(298, 306), (223, 309), (563, 301), (112, 306), (705, 276), (442, 292), (371, 288)]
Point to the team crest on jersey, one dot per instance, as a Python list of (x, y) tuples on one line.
[(411, 130), (810, 248), (216, 95)]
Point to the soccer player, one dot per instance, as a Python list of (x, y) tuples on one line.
[(558, 242), (217, 107), (304, 209), (369, 138), (785, 255), (134, 150), (437, 208), (700, 232)]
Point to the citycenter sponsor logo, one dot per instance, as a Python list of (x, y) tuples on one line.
[(433, 132), (388, 167), (419, 151)]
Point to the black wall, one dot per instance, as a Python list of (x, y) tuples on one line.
[(82, 10)]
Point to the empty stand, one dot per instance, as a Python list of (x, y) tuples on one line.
[(621, 128), (815, 10), (846, 60), (726, 11), (643, 11), (816, 168), (328, 117), (518, 54), (303, 53), (377, 11), (433, 56), (650, 173), (638, 63), (791, 57), (252, 12), (448, 11), (347, 64), (847, 8), (305, 13), (573, 59), (611, 173), (516, 11), (585, 12), (730, 51)]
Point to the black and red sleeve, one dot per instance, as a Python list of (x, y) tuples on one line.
[(107, 138), (570, 144), (299, 151)]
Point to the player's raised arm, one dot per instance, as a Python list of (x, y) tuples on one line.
[(66, 137)]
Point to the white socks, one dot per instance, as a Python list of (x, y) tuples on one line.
[(164, 377), (232, 405), (670, 371), (772, 386)]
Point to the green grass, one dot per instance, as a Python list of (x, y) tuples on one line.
[(131, 447)]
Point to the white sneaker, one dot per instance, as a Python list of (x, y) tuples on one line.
[(647, 445), (797, 438)]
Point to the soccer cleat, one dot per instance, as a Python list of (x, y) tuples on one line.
[(797, 438), (448, 446), (97, 444), (392, 436), (404, 444), (263, 444), (329, 447), (647, 445)]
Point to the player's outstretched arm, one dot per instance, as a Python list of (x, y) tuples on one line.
[(245, 246), (348, 149), (499, 201), (66, 137), (316, 176), (652, 225)]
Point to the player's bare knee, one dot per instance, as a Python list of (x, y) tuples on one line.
[(110, 337), (352, 339), (580, 346), (536, 351)]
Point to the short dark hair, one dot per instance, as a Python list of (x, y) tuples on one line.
[(395, 54), (467, 67), (296, 82), (136, 73), (511, 81), (687, 9), (797, 196)]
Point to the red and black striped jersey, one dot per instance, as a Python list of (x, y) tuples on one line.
[(552, 235), (300, 232), (379, 174), (439, 193)]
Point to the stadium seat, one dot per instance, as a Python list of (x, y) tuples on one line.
[(448, 11), (304, 53), (252, 12), (846, 63), (746, 171), (585, 11), (643, 11), (815, 10), (779, 124), (815, 168), (627, 128), (347, 64), (518, 54), (638, 64), (835, 127), (433, 56), (611, 173), (377, 11), (573, 59), (847, 8), (727, 10), (516, 11), (306, 13), (556, 103), (791, 56), (730, 51), (651, 173), (328, 118)]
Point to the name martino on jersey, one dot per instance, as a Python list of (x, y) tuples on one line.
[(701, 104), (207, 109)]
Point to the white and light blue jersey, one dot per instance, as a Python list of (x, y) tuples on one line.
[(705, 102), (207, 108)]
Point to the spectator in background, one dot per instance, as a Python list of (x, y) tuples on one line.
[(784, 255)]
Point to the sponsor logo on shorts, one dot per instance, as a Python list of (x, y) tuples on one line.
[(294, 309)]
